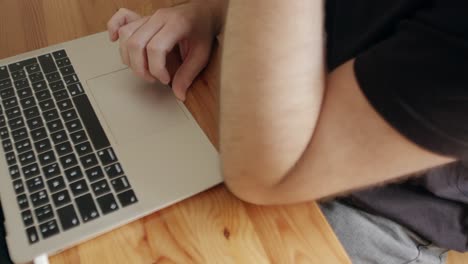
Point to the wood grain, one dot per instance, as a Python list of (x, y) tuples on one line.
[(212, 227)]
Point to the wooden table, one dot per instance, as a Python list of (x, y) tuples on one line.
[(212, 227)]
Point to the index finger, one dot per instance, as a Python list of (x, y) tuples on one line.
[(119, 19)]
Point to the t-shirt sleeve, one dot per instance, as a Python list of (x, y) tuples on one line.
[(417, 79)]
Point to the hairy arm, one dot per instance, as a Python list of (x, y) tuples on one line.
[(272, 83), (289, 132)]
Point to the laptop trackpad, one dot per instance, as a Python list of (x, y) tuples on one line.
[(132, 108)]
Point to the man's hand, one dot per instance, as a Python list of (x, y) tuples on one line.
[(146, 41)]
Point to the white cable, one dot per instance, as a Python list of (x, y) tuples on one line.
[(42, 259)]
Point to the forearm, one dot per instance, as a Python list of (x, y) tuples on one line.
[(272, 81)]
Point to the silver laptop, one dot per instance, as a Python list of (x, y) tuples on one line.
[(88, 147)]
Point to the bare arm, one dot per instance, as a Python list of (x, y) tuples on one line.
[(279, 142), (271, 87)]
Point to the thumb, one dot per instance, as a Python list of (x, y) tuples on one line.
[(194, 62)]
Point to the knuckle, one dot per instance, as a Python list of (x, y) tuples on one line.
[(161, 12), (122, 10), (156, 48), (134, 44)]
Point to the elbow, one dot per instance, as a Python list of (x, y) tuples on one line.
[(250, 187)]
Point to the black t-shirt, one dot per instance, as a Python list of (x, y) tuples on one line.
[(412, 65)]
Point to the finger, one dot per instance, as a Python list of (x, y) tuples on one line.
[(125, 33), (122, 17), (159, 46), (194, 63), (137, 43)]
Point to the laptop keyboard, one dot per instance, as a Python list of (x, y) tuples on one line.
[(62, 166)]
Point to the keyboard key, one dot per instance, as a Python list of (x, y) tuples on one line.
[(2, 121), (39, 86), (63, 148), (4, 133), (36, 77), (28, 102), (68, 217), (27, 218), (35, 122), (42, 145), (59, 137), (55, 125), (47, 63), (31, 170), (63, 62), (32, 235), (31, 112), (74, 174), (67, 70), (87, 207), (49, 229), (18, 186), (17, 75), (56, 184), (61, 95), (120, 184), (69, 115), (10, 158), (7, 93), (91, 122), (33, 68), (18, 134), (79, 187), (114, 170), (46, 105), (68, 161), (22, 201), (20, 84), (39, 198), (10, 102), (74, 125), (75, 89), (83, 148), (26, 157), (65, 105), (94, 174), (69, 79), (44, 213), (107, 203), (13, 112), (61, 198), (5, 84), (35, 184), (53, 76), (78, 137), (89, 160), (51, 170), (38, 134), (25, 93), (21, 64), (4, 73), (43, 95), (100, 187), (16, 123), (126, 198), (59, 54), (58, 85), (47, 157), (51, 115), (7, 145), (14, 172)]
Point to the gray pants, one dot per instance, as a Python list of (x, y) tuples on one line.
[(373, 239)]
